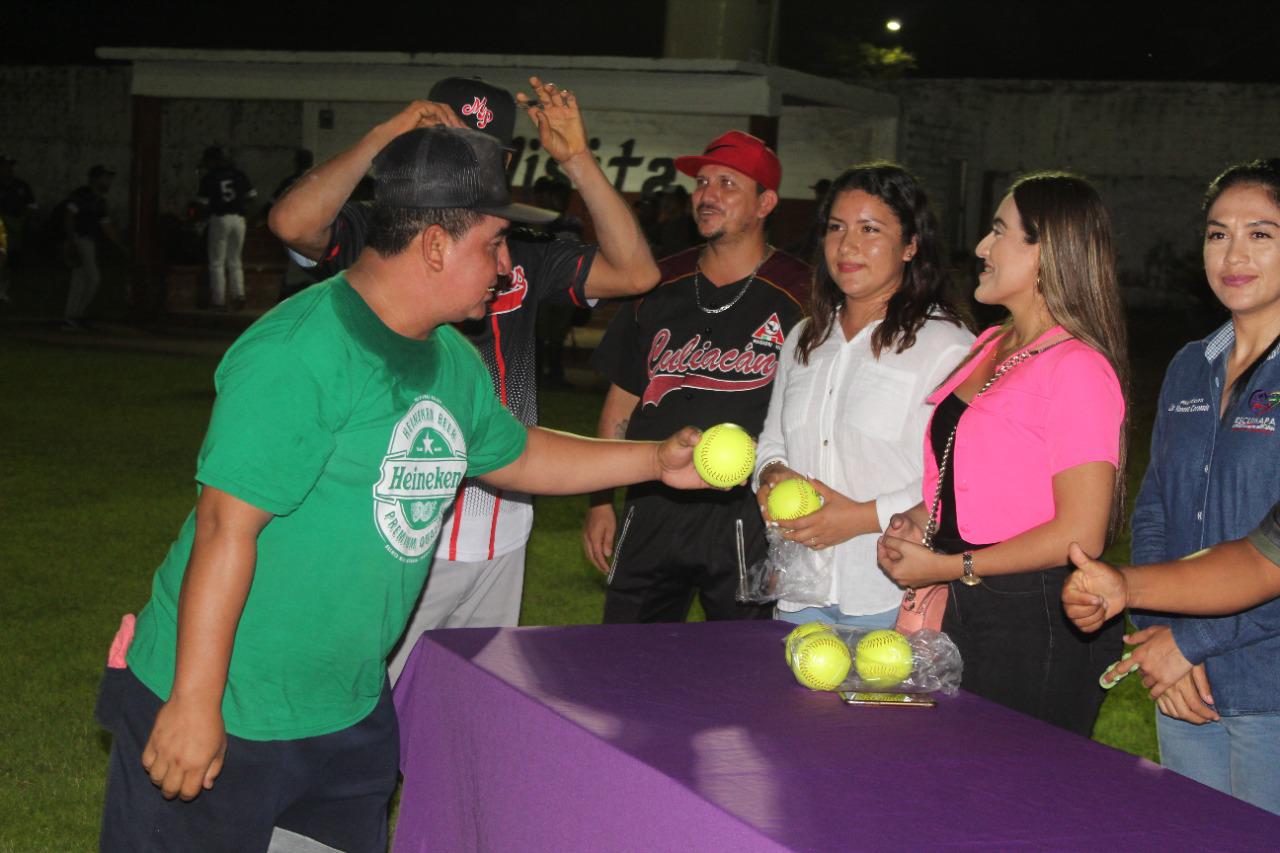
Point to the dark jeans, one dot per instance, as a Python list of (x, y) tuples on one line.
[(1020, 650), (334, 788)]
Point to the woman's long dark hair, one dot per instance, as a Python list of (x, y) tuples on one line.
[(926, 286)]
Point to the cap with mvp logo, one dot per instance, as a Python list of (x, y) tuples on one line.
[(449, 167), (482, 106)]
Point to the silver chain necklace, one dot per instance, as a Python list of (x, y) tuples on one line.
[(697, 285)]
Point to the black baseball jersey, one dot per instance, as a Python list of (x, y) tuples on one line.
[(224, 190), (691, 360), (487, 522), (89, 211)]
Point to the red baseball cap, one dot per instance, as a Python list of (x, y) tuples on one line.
[(741, 151)]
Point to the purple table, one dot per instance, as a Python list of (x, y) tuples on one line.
[(696, 737)]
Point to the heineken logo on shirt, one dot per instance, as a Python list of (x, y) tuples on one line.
[(425, 463)]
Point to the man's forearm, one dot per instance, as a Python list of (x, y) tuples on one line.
[(558, 463), (214, 589), (615, 417), (303, 216), (1221, 580), (629, 267)]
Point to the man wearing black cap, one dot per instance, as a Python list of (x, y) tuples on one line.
[(701, 349), (253, 686), (85, 219), (479, 571)]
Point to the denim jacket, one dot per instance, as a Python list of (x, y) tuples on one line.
[(1210, 480)]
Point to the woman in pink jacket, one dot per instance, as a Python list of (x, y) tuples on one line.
[(1025, 454)]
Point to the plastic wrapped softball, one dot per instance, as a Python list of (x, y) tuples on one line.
[(724, 456), (792, 499), (821, 661), (799, 633), (883, 658)]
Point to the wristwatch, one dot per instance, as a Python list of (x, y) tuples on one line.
[(968, 578)]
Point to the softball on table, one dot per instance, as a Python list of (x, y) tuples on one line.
[(883, 658), (800, 632), (821, 661), (794, 498), (725, 455)]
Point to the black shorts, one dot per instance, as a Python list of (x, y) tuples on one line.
[(671, 545), (334, 788)]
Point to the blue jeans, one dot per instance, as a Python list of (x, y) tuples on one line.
[(832, 616), (1239, 755)]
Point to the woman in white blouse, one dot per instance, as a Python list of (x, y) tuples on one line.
[(848, 410)]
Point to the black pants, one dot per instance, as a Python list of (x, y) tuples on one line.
[(1019, 648), (672, 544), (334, 788)]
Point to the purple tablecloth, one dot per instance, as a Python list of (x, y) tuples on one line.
[(696, 737)]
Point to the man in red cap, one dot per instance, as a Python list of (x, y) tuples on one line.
[(701, 349)]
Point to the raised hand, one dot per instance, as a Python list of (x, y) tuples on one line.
[(554, 112)]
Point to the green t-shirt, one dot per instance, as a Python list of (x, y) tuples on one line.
[(355, 439)]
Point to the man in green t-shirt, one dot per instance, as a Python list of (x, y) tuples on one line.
[(255, 687)]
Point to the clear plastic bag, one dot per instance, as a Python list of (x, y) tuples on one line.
[(783, 573), (935, 665)]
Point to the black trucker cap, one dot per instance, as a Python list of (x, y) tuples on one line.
[(449, 167)]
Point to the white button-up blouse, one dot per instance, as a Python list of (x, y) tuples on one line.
[(857, 423)]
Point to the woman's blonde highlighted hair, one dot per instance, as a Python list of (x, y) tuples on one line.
[(1063, 214)]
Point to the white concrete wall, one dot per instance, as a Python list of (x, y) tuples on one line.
[(814, 142), (1150, 147)]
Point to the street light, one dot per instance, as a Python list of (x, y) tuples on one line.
[(893, 25)]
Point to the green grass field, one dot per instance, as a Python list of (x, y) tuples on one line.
[(97, 448)]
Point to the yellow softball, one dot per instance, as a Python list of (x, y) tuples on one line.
[(799, 633), (821, 661), (883, 658), (794, 498), (725, 455)]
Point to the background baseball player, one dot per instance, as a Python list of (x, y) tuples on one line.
[(224, 193)]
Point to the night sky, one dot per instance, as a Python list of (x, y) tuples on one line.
[(1139, 41)]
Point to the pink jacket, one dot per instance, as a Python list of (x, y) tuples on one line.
[(1054, 411)]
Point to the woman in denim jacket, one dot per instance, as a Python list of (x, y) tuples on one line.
[(1215, 459)]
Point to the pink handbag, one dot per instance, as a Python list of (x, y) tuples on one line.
[(922, 608)]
